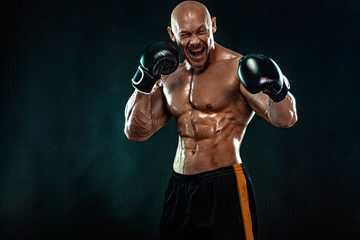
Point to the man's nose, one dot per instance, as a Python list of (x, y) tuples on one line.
[(194, 40)]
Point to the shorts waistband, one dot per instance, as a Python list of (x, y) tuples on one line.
[(203, 175)]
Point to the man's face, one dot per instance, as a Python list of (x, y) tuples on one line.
[(193, 33)]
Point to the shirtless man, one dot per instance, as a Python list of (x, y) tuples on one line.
[(213, 97)]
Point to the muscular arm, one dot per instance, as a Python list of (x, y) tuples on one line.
[(145, 114), (281, 114)]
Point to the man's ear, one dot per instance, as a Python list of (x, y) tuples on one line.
[(213, 24), (171, 34)]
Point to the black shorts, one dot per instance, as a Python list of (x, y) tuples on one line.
[(217, 204)]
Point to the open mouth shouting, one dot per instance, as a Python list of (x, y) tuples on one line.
[(197, 53)]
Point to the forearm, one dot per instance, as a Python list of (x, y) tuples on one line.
[(139, 123), (282, 114), (145, 114)]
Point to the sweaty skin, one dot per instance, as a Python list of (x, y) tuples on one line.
[(212, 108)]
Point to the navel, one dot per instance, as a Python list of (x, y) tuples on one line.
[(209, 106)]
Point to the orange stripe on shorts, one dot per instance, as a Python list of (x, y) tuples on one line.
[(244, 201)]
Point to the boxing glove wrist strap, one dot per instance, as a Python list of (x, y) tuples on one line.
[(142, 81), (280, 96)]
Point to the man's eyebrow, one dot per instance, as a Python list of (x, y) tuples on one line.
[(200, 27), (184, 32)]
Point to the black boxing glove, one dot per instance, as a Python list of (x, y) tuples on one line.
[(258, 72), (158, 58)]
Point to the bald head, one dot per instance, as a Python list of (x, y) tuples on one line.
[(189, 9), (192, 29)]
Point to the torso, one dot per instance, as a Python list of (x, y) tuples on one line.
[(211, 114)]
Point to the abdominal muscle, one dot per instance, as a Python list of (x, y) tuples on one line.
[(207, 141)]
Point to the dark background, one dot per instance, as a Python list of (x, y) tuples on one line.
[(67, 169)]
